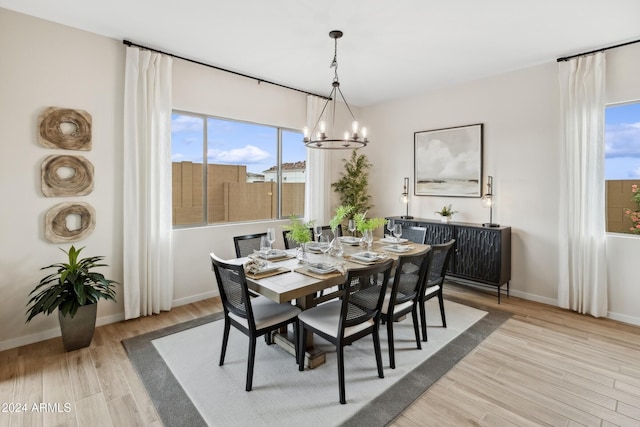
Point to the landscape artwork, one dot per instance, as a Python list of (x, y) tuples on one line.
[(448, 162)]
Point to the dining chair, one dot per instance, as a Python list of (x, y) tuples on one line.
[(326, 231), (404, 296), (434, 281), (345, 320), (251, 316), (414, 234), (246, 244)]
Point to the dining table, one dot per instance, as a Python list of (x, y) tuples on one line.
[(285, 278)]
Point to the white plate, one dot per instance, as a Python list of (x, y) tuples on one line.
[(273, 254), (393, 240), (366, 256), (321, 268), (350, 240), (397, 248), (267, 268)]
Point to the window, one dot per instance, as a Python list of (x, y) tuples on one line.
[(622, 163), (231, 171)]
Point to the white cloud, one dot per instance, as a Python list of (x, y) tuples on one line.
[(438, 160), (248, 154), (182, 123), (176, 157), (622, 140)]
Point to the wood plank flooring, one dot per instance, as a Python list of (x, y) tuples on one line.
[(544, 366)]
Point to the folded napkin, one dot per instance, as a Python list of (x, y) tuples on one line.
[(255, 266)]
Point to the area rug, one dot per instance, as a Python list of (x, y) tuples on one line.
[(179, 368)]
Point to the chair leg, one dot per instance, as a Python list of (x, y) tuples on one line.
[(295, 339), (250, 362), (392, 356), (302, 344), (416, 330), (423, 320), (376, 347), (225, 339), (441, 302), (340, 351)]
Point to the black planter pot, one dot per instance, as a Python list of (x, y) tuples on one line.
[(77, 331)]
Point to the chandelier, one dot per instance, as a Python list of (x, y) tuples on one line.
[(320, 136)]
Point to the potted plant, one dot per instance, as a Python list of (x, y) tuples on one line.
[(74, 289), (352, 187), (300, 233), (446, 213)]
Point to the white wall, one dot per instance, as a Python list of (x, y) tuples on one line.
[(46, 64), (520, 113)]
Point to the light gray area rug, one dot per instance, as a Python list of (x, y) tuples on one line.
[(179, 367)]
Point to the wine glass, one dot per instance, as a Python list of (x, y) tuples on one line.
[(317, 230), (271, 236), (397, 232), (390, 225), (265, 246), (367, 236), (352, 226), (323, 245)]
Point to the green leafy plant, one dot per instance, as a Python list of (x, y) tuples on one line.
[(73, 285), (446, 211), (363, 223), (342, 212), (352, 187), (298, 231)]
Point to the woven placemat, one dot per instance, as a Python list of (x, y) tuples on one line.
[(303, 270), (267, 273)]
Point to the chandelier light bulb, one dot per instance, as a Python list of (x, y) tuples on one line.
[(354, 126), (346, 136), (323, 126)]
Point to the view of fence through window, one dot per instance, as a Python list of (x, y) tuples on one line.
[(230, 171), (622, 166)]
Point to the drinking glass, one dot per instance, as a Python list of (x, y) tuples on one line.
[(367, 235), (265, 246), (323, 245), (271, 237), (352, 226), (390, 225), (397, 231), (317, 230)]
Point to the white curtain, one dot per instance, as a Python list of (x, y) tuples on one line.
[(147, 256), (583, 275), (318, 181)]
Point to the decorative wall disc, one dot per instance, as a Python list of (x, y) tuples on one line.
[(65, 128), (55, 222), (78, 181)]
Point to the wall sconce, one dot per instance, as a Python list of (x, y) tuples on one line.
[(405, 198), (488, 200)]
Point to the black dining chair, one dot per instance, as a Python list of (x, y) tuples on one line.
[(354, 315), (404, 296), (434, 281), (414, 234), (246, 244), (325, 230), (251, 316)]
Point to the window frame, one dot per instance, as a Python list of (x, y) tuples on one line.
[(205, 162)]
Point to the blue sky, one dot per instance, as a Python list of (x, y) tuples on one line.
[(231, 142), (622, 141)]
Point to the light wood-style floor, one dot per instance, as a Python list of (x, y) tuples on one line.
[(544, 366)]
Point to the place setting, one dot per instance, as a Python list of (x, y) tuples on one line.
[(367, 257), (259, 269), (267, 252)]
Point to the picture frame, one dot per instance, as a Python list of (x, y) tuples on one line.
[(448, 161)]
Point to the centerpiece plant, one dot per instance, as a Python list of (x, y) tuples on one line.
[(446, 211), (298, 231)]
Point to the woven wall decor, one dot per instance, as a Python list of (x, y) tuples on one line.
[(55, 222), (78, 184), (65, 128)]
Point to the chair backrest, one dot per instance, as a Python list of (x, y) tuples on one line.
[(363, 294), (245, 245), (410, 275), (326, 231), (232, 285), (414, 234), (440, 258)]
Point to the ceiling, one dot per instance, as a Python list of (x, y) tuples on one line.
[(389, 49)]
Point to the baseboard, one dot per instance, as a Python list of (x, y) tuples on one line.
[(53, 333), (195, 298), (632, 320)]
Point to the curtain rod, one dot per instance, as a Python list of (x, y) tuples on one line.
[(566, 58), (128, 43)]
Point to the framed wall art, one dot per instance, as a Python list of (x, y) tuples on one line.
[(448, 162)]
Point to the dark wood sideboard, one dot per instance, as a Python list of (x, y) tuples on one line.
[(481, 255)]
